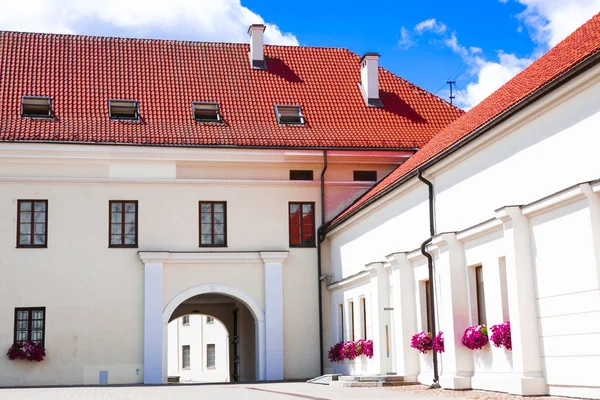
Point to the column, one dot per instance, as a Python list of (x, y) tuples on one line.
[(153, 307), (380, 311), (452, 311), (274, 314), (593, 199), (405, 317), (528, 378)]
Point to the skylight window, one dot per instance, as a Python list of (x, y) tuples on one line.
[(123, 110), (36, 107), (206, 112), (289, 115)]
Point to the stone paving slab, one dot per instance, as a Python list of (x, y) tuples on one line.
[(266, 391)]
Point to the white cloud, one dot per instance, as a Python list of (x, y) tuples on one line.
[(405, 41), (202, 20), (550, 21), (431, 25)]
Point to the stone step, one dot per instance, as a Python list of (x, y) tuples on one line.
[(340, 383), (324, 379)]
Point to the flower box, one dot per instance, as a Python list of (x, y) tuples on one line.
[(31, 351), (475, 337), (350, 350)]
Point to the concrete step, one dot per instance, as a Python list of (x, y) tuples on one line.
[(324, 379), (370, 381), (370, 384)]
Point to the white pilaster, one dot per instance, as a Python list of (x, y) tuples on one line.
[(453, 309), (593, 199), (274, 313), (528, 376), (380, 300), (405, 317), (153, 326)]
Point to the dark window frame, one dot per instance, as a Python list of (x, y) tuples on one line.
[(314, 241), (36, 116), (427, 305), (363, 301), (281, 121), (219, 119), (302, 175), (32, 222), (212, 224), (135, 118), (351, 312), (214, 347), (364, 176), (30, 311), (343, 328), (137, 213), (480, 292), (189, 359)]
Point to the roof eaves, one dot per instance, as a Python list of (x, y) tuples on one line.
[(559, 80)]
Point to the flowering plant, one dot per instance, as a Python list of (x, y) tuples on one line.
[(31, 351), (350, 350), (424, 342), (501, 335), (475, 337)]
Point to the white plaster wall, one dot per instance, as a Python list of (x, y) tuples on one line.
[(198, 334)]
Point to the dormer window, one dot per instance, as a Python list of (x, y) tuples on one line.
[(123, 110), (289, 115), (206, 112), (36, 107)]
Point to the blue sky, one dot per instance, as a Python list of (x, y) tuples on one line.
[(479, 43)]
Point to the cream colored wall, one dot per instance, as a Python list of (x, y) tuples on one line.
[(94, 294)]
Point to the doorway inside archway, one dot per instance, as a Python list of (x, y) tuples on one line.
[(211, 338)]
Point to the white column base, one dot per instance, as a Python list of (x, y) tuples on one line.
[(456, 382), (526, 386)]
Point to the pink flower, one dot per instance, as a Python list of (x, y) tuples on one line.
[(31, 351), (501, 335), (475, 337)]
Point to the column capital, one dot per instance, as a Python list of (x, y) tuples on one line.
[(153, 257), (397, 260), (274, 256), (508, 213), (375, 268)]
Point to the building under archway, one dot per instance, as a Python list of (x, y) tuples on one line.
[(239, 341)]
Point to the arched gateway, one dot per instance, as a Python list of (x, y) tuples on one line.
[(175, 290)]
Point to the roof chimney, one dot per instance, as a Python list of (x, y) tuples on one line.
[(257, 54), (369, 79)]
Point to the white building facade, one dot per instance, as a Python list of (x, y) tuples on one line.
[(517, 238), (198, 350)]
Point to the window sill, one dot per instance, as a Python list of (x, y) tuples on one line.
[(212, 245), (211, 368), (303, 247), (33, 246), (123, 246)]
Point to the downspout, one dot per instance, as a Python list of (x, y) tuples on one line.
[(436, 376), (320, 239)]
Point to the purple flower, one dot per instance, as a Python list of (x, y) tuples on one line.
[(475, 337), (31, 351), (438, 342), (501, 335)]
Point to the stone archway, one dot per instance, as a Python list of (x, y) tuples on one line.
[(234, 293)]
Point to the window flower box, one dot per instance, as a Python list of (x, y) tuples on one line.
[(31, 351), (475, 337), (350, 350)]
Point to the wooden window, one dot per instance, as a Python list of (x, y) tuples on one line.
[(210, 320), (341, 321), (365, 176), (186, 320), (427, 305), (301, 175), (206, 112), (302, 224), (185, 357), (123, 110), (210, 356), (351, 312), (480, 295), (213, 224), (32, 223), (363, 306), (123, 223), (289, 115), (36, 107), (30, 325)]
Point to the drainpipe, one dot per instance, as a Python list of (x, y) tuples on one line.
[(436, 376), (320, 239)]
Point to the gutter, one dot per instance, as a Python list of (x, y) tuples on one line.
[(320, 239), (436, 376), (578, 69)]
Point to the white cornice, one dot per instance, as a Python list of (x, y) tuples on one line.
[(274, 256), (158, 181), (479, 230), (363, 275), (211, 258), (97, 152)]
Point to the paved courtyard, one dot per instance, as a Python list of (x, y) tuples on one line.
[(283, 391)]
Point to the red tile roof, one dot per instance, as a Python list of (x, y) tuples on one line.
[(580, 45), (82, 73)]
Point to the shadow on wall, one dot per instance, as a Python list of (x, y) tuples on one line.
[(394, 104), (277, 66)]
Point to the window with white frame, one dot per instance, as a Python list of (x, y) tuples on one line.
[(186, 320), (480, 292), (425, 296), (351, 319), (363, 317), (341, 321), (185, 357), (210, 356)]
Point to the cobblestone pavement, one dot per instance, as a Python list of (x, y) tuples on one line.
[(270, 391)]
